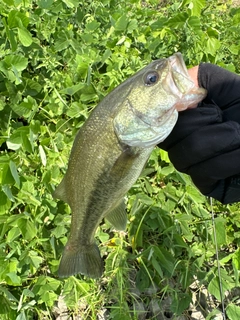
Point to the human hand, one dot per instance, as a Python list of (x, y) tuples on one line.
[(193, 73), (205, 143)]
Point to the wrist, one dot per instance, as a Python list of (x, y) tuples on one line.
[(193, 73)]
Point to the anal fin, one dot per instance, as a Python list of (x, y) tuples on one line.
[(118, 216)]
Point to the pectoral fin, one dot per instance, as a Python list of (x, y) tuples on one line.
[(118, 216), (124, 162)]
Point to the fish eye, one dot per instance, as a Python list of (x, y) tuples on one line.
[(151, 78)]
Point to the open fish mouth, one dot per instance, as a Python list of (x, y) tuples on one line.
[(178, 63), (177, 81)]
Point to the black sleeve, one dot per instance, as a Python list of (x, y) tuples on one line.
[(223, 89), (205, 143)]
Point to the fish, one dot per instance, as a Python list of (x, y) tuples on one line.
[(110, 151)]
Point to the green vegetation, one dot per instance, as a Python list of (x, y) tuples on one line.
[(57, 61)]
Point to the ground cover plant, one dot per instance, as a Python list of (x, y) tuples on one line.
[(58, 59)]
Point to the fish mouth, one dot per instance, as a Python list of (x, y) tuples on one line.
[(178, 68), (178, 83), (178, 64)]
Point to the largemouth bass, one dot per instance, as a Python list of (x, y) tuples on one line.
[(110, 151)]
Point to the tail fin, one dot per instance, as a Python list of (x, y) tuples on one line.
[(81, 259)]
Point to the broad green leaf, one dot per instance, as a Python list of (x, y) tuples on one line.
[(6, 177), (75, 109), (25, 37), (157, 267), (8, 294), (27, 140), (195, 23), (12, 40), (17, 19), (13, 234), (133, 25), (8, 192), (146, 199), (159, 23), (14, 279), (12, 145), (194, 194), (72, 90), (236, 18), (233, 311), (9, 2), (71, 3), (164, 156), (178, 21), (45, 4), (42, 155), (212, 45), (25, 108), (49, 297), (32, 88), (21, 316), (61, 45), (52, 284), (227, 284), (103, 236), (93, 25), (28, 229), (121, 23), (167, 169), (11, 36), (165, 259), (180, 303), (142, 279), (121, 40), (82, 68), (212, 32), (236, 259), (195, 6), (18, 61), (4, 305), (59, 231), (36, 262), (14, 172), (234, 49), (87, 38), (28, 293), (5, 203), (220, 226)]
